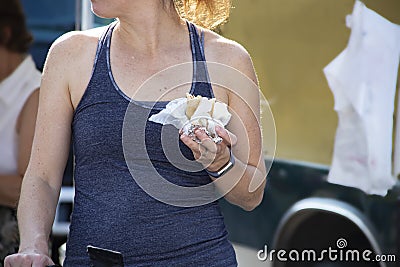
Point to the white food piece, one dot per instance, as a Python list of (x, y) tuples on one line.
[(208, 114)]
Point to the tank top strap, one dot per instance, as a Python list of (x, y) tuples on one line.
[(201, 84), (103, 45), (99, 71)]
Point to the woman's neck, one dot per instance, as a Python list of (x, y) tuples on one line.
[(144, 25)]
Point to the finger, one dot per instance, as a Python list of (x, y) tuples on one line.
[(43, 261), (206, 155), (215, 150), (221, 147), (193, 145), (206, 141), (50, 262), (200, 152), (229, 138)]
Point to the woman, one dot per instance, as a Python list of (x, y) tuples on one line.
[(87, 81), (19, 97)]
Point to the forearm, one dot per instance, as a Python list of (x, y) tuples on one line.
[(36, 211), (10, 186), (248, 191)]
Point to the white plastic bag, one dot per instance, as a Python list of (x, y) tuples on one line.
[(363, 81)]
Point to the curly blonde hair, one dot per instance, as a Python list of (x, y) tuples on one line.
[(206, 13)]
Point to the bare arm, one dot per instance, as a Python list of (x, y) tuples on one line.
[(42, 180), (10, 185), (244, 133), (245, 124)]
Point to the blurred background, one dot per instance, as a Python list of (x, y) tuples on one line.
[(291, 41)]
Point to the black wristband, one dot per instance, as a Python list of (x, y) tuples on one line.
[(224, 168)]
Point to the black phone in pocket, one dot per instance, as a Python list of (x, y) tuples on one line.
[(100, 257)]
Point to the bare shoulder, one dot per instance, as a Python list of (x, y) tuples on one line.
[(78, 37), (75, 43), (225, 51), (72, 55)]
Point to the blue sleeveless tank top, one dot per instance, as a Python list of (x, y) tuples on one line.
[(111, 210)]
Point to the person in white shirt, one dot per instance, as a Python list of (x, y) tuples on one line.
[(19, 96)]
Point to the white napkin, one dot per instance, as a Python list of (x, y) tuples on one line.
[(363, 81), (207, 114)]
